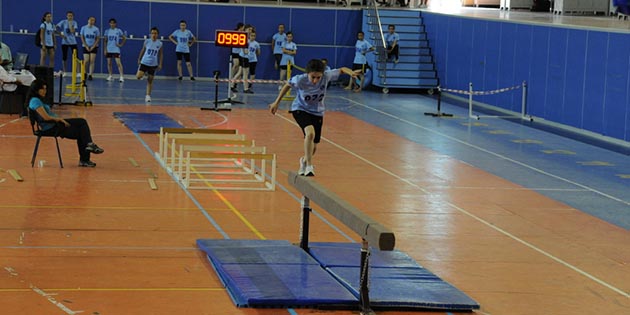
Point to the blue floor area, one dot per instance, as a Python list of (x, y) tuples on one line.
[(589, 178), (277, 274), (146, 122)]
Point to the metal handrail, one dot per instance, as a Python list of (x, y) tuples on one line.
[(381, 45)]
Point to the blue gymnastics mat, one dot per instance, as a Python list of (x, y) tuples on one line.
[(146, 122), (260, 273), (264, 273), (396, 280)]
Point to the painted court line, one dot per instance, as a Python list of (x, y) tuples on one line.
[(187, 192), (492, 153), (490, 225)]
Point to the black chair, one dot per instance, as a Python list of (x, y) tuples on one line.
[(55, 132)]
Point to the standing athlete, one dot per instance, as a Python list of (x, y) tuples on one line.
[(68, 29), (114, 39), (90, 37), (183, 38)]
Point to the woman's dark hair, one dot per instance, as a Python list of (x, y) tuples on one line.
[(239, 25), (183, 21), (156, 29), (315, 65), (112, 20), (44, 16), (35, 87)]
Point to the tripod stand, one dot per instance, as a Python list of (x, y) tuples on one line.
[(225, 104)]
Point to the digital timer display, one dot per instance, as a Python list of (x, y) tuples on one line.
[(234, 39)]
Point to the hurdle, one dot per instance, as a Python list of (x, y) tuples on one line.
[(163, 142), (185, 160), (198, 137), (371, 231), (226, 181)]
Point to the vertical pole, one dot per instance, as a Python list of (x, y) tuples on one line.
[(364, 291), (524, 100), (439, 102), (306, 211), (216, 88), (470, 99), (229, 85)]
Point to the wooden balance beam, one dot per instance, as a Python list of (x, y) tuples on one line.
[(366, 227), (370, 231)]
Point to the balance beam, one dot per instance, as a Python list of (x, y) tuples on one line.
[(360, 223)]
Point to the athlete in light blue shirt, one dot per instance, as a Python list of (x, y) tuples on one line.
[(251, 55), (362, 47), (183, 39), (90, 37), (289, 50), (392, 39), (276, 44), (68, 29), (114, 39), (150, 60), (308, 106), (47, 39)]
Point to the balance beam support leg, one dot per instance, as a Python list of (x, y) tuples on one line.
[(304, 227), (364, 291)]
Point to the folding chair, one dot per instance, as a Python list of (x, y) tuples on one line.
[(36, 120)]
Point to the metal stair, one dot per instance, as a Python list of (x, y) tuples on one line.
[(416, 66)]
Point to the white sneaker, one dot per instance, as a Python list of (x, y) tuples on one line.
[(147, 98), (121, 80), (309, 170), (302, 166), (109, 78)]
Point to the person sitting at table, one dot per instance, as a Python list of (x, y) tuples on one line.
[(9, 81), (5, 55), (71, 128)]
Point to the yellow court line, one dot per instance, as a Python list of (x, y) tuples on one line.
[(113, 289), (227, 203)]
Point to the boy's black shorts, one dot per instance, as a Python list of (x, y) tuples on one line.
[(305, 119)]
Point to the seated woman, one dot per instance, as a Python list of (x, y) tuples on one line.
[(71, 128)]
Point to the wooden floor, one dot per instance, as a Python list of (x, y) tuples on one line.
[(100, 241)]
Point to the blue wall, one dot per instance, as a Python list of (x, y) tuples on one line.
[(319, 33), (576, 77)]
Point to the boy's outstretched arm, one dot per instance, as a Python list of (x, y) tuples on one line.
[(350, 72), (273, 107)]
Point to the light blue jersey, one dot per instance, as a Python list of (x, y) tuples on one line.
[(68, 34), (288, 58), (183, 38), (362, 47), (279, 39), (91, 34), (114, 36), (391, 38), (49, 30), (151, 52), (310, 97), (254, 47)]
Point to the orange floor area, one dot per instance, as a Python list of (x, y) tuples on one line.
[(101, 241)]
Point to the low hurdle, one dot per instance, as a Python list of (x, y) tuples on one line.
[(164, 132), (220, 159), (371, 231), (228, 180)]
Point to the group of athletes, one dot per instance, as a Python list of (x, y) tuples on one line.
[(307, 107)]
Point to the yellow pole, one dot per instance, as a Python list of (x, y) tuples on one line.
[(288, 96), (74, 71)]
